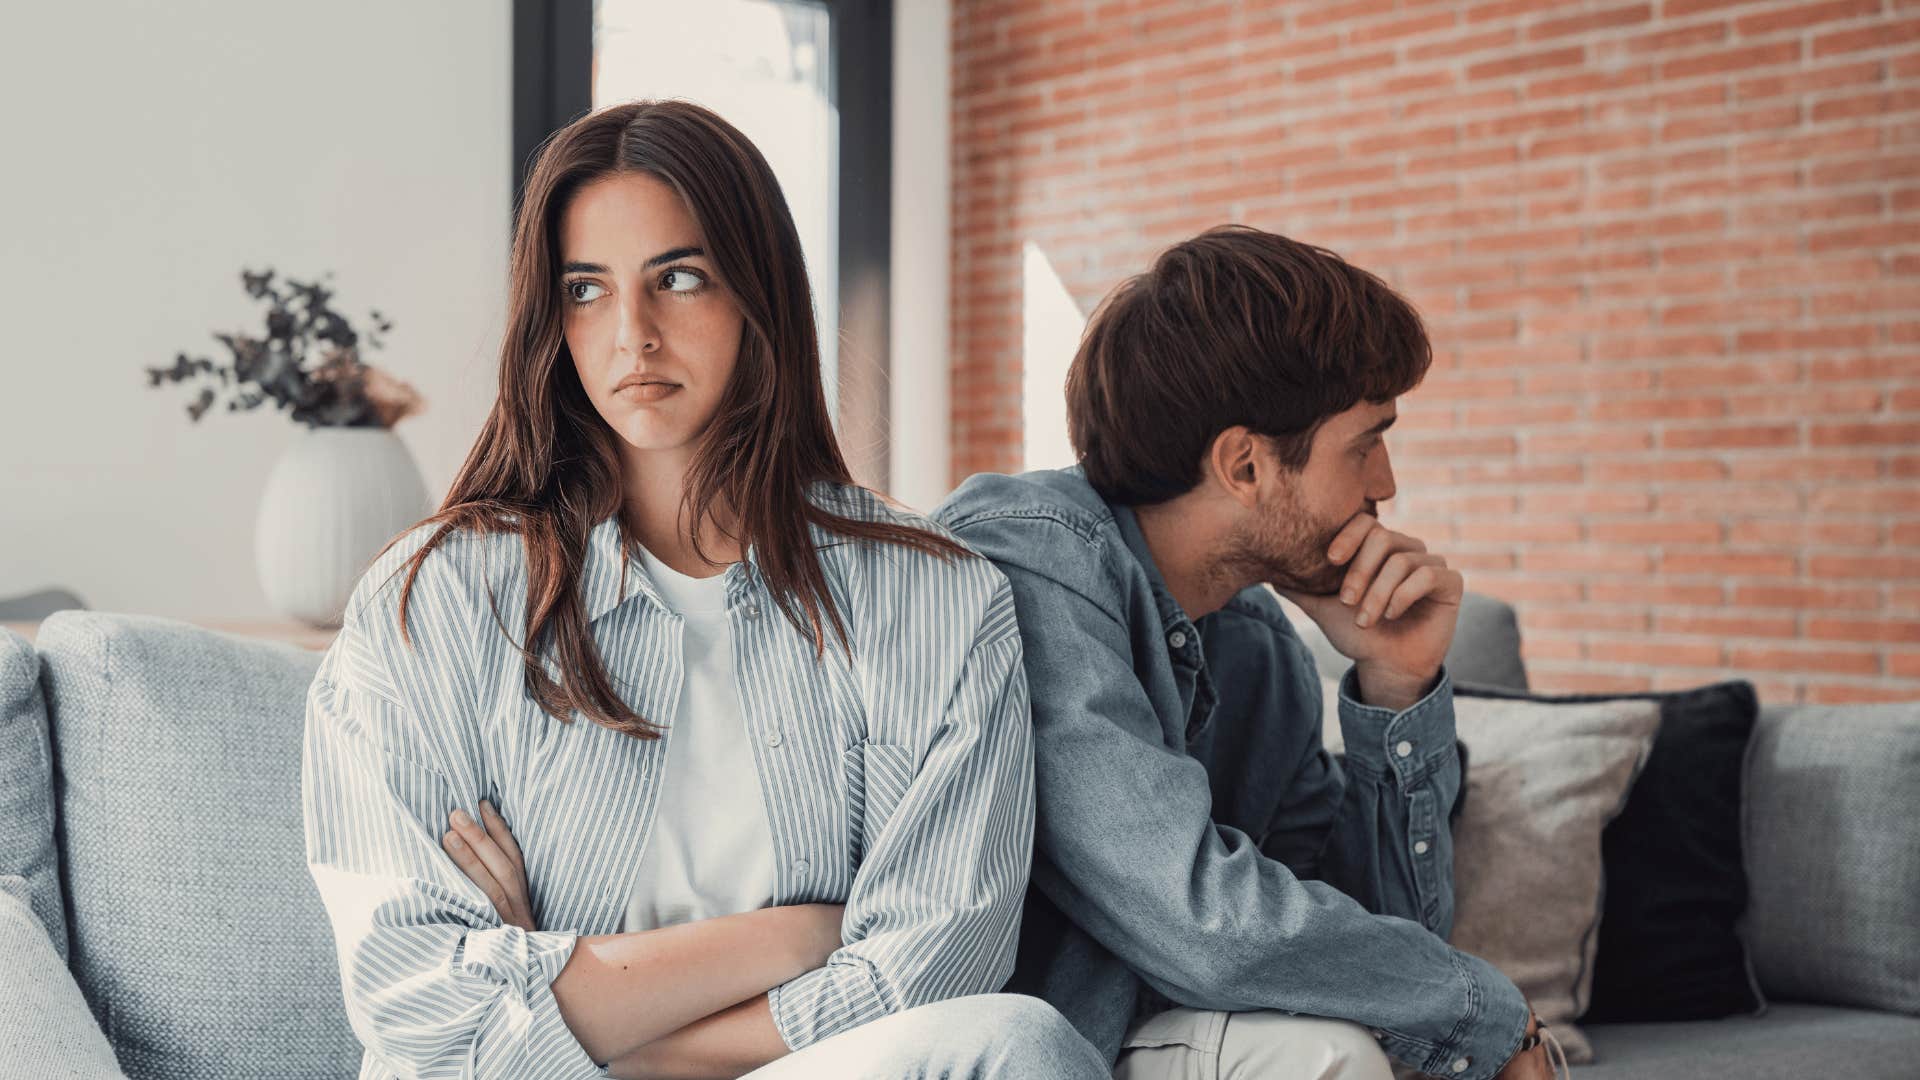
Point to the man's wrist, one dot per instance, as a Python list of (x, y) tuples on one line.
[(1384, 688)]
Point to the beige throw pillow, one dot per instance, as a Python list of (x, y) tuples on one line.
[(1543, 780)]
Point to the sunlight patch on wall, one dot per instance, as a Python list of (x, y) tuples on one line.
[(1051, 328)]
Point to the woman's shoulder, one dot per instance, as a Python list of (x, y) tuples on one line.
[(907, 569), (457, 568)]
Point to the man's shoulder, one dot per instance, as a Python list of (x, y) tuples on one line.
[(1050, 524), (1059, 497)]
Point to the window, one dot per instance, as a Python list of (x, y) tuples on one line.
[(810, 82)]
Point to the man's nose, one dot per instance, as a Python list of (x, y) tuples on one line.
[(1380, 486)]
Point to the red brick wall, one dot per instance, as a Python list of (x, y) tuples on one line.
[(1669, 253)]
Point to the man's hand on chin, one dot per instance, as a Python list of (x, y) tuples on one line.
[(1394, 615)]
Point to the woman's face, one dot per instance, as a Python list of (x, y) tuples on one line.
[(652, 330)]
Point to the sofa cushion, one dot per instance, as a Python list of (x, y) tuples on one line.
[(45, 1029), (197, 935), (1833, 854), (1676, 879), (1544, 781), (29, 865), (1788, 1042)]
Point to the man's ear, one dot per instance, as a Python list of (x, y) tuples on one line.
[(1234, 464)]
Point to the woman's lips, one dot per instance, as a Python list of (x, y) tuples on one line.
[(651, 391)]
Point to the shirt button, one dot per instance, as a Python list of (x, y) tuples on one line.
[(1420, 847), (753, 611), (800, 866), (1177, 639), (1404, 749), (773, 738), (1461, 1065)]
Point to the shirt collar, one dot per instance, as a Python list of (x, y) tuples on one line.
[(1171, 614), (611, 574), (1177, 632)]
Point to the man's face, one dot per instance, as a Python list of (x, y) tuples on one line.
[(1299, 513)]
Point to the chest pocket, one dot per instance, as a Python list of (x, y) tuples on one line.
[(878, 775)]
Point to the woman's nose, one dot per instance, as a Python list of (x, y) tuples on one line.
[(639, 331)]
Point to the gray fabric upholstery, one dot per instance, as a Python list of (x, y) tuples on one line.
[(46, 1032), (1788, 1042), (1485, 651), (29, 862), (197, 935), (1833, 854), (45, 1027)]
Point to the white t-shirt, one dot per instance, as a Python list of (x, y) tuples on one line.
[(710, 852)]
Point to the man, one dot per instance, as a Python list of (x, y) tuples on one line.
[(1212, 890)]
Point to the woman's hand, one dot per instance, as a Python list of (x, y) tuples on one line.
[(485, 851)]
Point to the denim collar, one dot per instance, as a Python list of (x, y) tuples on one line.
[(1172, 617), (1177, 632)]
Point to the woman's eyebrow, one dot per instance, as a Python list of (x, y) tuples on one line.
[(667, 256)]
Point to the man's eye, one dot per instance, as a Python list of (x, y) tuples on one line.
[(573, 291), (682, 281)]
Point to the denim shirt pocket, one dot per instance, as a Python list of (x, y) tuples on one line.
[(878, 775)]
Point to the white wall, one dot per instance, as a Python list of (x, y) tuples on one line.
[(155, 149)]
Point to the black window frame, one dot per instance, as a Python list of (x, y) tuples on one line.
[(552, 87)]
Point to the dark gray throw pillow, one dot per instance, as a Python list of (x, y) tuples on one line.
[(1676, 883)]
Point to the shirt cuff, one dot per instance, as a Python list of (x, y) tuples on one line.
[(1408, 743), (826, 1001), (1486, 1038), (524, 1026)]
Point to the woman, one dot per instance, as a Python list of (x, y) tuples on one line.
[(763, 739)]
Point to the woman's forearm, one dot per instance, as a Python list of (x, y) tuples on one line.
[(727, 1044), (618, 992)]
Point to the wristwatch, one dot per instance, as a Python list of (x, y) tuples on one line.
[(1536, 1036)]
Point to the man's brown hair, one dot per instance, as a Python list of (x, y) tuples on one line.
[(1234, 327)]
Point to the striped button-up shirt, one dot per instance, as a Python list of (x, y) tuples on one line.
[(898, 781)]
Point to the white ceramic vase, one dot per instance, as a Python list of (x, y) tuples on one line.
[(333, 501)]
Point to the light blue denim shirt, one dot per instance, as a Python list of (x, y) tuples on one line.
[(897, 781), (1196, 842)]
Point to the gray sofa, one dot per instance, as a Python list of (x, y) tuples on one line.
[(157, 920)]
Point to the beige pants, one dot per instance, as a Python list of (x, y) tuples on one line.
[(1199, 1044)]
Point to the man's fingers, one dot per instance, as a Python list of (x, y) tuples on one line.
[(1366, 563), (499, 867), (497, 828), (1347, 540), (1431, 580), (1397, 569)]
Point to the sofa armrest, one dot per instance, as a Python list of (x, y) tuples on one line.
[(46, 1029)]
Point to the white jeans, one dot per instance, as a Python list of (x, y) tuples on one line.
[(983, 1037), (1201, 1044)]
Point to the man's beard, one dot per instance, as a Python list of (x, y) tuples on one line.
[(1286, 546)]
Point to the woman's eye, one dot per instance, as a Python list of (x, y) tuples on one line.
[(573, 291), (681, 281)]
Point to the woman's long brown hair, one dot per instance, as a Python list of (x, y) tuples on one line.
[(547, 466)]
